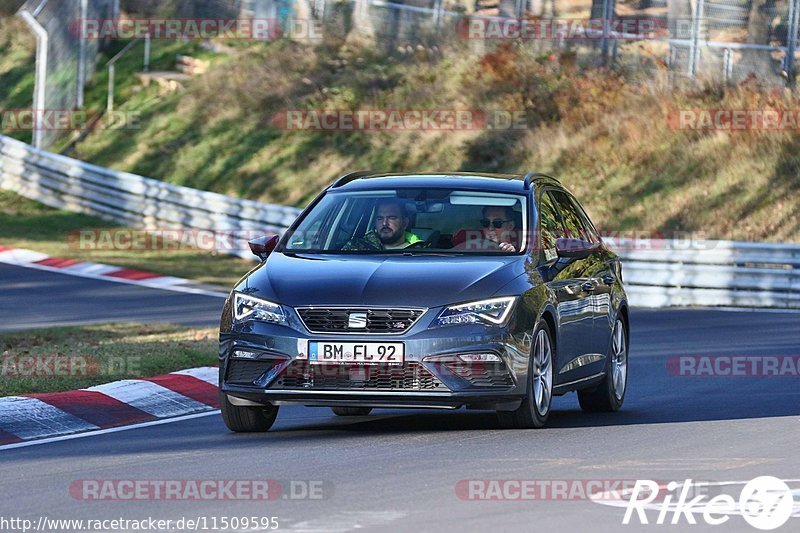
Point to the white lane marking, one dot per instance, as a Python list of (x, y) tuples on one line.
[(209, 374), (29, 418), (107, 431), (346, 521), (67, 272), (720, 308), (149, 397), (748, 309)]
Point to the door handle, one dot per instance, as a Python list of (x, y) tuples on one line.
[(609, 279), (588, 286)]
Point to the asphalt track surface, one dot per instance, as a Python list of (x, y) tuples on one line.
[(33, 298), (398, 470)]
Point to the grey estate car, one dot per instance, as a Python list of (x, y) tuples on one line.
[(428, 291)]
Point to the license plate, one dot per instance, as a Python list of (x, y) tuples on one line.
[(364, 353)]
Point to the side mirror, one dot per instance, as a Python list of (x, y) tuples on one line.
[(574, 248), (263, 246)]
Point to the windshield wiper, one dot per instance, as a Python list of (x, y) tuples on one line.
[(440, 254)]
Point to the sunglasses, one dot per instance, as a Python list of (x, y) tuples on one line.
[(497, 223)]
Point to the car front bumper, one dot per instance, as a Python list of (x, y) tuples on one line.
[(276, 371)]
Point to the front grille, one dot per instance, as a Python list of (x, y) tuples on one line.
[(336, 319), (409, 377), (247, 372)]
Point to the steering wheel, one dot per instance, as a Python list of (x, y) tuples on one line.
[(418, 244)]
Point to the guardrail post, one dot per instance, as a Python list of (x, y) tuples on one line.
[(40, 82), (694, 48), (727, 65), (791, 40), (82, 53), (438, 7), (110, 104), (147, 52)]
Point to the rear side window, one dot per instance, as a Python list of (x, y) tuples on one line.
[(575, 223), (591, 233), (550, 225)]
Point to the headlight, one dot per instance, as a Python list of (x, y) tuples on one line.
[(248, 307), (494, 311)]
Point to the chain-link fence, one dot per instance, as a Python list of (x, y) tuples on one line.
[(727, 40), (184, 9), (64, 61), (722, 40)]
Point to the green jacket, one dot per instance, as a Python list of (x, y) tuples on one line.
[(371, 241)]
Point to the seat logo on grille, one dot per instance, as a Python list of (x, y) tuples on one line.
[(357, 321)]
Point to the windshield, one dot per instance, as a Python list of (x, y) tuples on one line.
[(413, 220)]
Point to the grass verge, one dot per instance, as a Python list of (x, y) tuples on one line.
[(68, 358)]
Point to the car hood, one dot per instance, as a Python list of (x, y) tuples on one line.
[(417, 281)]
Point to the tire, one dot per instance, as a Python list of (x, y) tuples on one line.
[(535, 407), (246, 419), (351, 411), (609, 395)]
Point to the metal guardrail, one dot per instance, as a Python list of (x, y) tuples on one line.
[(717, 273), (665, 273), (129, 199)]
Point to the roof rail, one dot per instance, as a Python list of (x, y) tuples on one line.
[(350, 176), (530, 175)]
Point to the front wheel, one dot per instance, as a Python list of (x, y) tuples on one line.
[(351, 411), (246, 419), (535, 408), (610, 393)]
